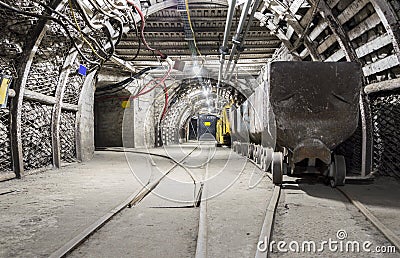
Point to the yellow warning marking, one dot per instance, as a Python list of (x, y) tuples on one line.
[(207, 123), (3, 90), (126, 104)]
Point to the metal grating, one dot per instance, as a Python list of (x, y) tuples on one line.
[(5, 149), (36, 135), (48, 61), (67, 136), (74, 85), (351, 149), (386, 120)]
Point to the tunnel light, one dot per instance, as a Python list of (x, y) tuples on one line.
[(205, 92)]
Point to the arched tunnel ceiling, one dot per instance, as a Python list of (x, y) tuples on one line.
[(165, 30), (323, 30)]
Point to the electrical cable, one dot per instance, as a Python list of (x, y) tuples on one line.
[(46, 17), (80, 31), (108, 32), (74, 26), (143, 24), (142, 91), (162, 80), (191, 26), (122, 84), (139, 45), (85, 16), (111, 16), (166, 102), (116, 7)]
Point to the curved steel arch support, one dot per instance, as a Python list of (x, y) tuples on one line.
[(56, 116), (351, 55), (337, 30), (390, 21), (19, 87)]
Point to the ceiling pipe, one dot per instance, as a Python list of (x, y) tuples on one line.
[(224, 48), (236, 39), (253, 11)]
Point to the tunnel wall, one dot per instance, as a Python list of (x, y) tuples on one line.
[(386, 120), (109, 115), (50, 124), (44, 125), (124, 122)]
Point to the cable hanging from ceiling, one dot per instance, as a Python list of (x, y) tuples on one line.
[(102, 51), (142, 26)]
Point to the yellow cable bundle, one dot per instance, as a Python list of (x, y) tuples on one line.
[(80, 31), (191, 27)]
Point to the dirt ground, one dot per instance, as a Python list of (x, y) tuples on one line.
[(41, 212)]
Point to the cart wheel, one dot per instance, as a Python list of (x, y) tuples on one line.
[(245, 151), (277, 168), (262, 161), (257, 154), (338, 168), (250, 153), (268, 153), (285, 169)]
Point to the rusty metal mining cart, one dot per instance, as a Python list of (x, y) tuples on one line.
[(316, 107)]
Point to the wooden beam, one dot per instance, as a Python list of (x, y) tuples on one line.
[(171, 29), (345, 16), (360, 29), (168, 39), (167, 43), (47, 100), (39, 97), (175, 56), (381, 65), (335, 57), (374, 45), (366, 49), (383, 86), (336, 26), (69, 107)]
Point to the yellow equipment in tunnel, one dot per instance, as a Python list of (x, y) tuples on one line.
[(223, 126)]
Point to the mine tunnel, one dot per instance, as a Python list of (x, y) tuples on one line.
[(199, 128)]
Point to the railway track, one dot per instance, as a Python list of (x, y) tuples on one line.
[(138, 196), (266, 235), (202, 239), (266, 232)]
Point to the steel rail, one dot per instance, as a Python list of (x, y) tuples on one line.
[(389, 234), (133, 199)]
